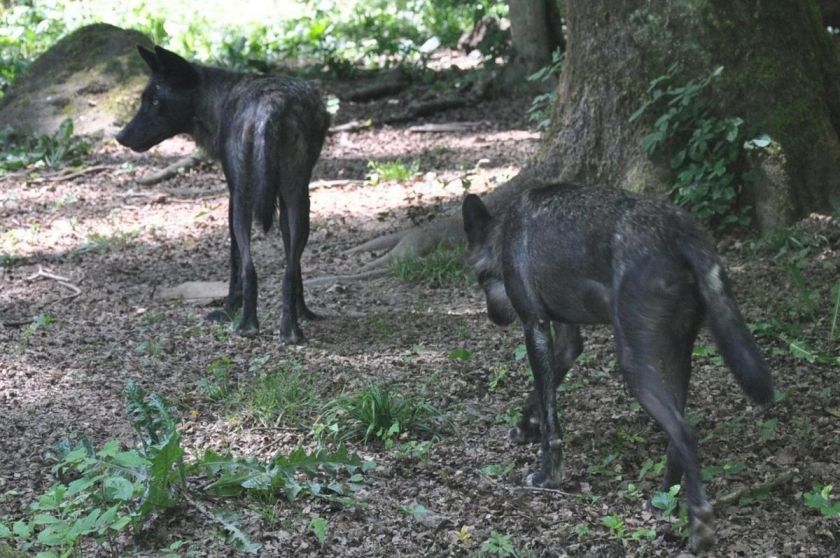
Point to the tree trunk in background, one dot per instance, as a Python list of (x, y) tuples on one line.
[(532, 37), (781, 76)]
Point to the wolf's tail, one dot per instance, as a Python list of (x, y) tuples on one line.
[(264, 178), (731, 335)]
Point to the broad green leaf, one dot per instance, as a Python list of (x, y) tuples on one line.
[(22, 529), (318, 526), (118, 488)]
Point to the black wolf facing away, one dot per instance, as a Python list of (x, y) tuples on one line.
[(268, 132), (565, 255)]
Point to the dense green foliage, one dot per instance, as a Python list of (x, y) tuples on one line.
[(706, 151), (99, 493), (20, 151), (337, 35)]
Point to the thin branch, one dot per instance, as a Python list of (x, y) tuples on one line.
[(185, 163), (71, 175), (63, 281), (47, 275), (736, 495)]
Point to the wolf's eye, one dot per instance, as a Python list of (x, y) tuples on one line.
[(155, 102)]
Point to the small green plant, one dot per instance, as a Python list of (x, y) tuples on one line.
[(498, 544), (496, 470), (8, 260), (608, 467), (651, 466), (118, 240), (300, 473), (285, 395), (539, 113), (378, 413), (217, 383), (819, 498), (582, 530), (728, 469), (615, 524), (511, 416), (668, 503), (21, 151), (460, 354), (152, 347), (391, 171), (39, 322), (414, 449), (498, 376), (706, 151), (442, 267)]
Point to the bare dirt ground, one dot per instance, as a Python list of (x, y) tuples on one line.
[(120, 243)]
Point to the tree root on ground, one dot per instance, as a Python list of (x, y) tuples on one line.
[(734, 496), (185, 163)]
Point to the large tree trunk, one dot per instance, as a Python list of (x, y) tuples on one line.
[(781, 76)]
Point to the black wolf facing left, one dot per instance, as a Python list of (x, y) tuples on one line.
[(267, 131)]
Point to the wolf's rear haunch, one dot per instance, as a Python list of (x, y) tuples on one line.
[(268, 132), (564, 255)]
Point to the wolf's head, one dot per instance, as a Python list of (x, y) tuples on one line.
[(167, 103), (483, 254)]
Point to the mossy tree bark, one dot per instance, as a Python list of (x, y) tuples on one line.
[(781, 76)]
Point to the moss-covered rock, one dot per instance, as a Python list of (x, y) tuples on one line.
[(92, 75)]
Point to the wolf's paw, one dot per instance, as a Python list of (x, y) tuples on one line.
[(248, 330), (307, 314), (702, 528), (218, 316), (519, 435), (292, 336), (539, 479)]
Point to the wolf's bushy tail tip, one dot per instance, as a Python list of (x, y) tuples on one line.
[(731, 335)]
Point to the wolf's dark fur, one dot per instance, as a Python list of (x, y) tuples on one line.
[(564, 255), (267, 131)]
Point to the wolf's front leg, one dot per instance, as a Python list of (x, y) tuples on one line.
[(539, 343), (568, 344)]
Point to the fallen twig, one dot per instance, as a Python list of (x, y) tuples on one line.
[(71, 175), (17, 323), (736, 495), (443, 127), (352, 126), (63, 281), (181, 164)]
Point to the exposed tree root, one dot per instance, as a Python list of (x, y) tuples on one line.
[(375, 91), (383, 242), (446, 229), (426, 108), (186, 163), (330, 280), (736, 495)]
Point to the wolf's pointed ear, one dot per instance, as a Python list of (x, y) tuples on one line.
[(150, 58), (476, 218), (177, 71)]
